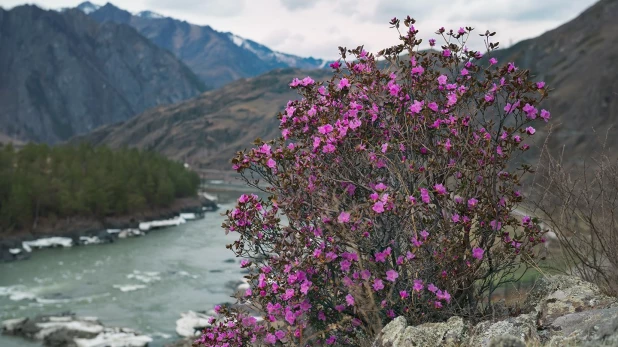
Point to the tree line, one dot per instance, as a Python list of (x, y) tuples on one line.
[(39, 181)]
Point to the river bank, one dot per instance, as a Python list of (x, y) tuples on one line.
[(147, 284), (17, 245)]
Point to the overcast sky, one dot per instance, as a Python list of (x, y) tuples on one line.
[(317, 27)]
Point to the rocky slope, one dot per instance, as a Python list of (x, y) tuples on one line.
[(563, 311), (579, 60), (208, 130), (62, 74), (216, 57)]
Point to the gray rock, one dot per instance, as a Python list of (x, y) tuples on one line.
[(522, 327), (391, 332)]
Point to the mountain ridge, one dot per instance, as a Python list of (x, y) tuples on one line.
[(63, 74), (216, 57)]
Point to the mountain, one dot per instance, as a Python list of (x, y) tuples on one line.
[(216, 57), (63, 74), (579, 60), (208, 130)]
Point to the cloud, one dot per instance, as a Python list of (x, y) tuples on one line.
[(211, 8), (295, 5)]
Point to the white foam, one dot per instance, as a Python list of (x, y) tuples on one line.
[(129, 287), (113, 231), (50, 327), (144, 277), (115, 338), (190, 321)]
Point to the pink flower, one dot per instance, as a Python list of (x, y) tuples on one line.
[(443, 295), (380, 187), (540, 85), (384, 147), (545, 115), (432, 288), (493, 61), (425, 195), (325, 129), (378, 207), (344, 217), (418, 285), (403, 294), (416, 107), (465, 72), (349, 299), (391, 275), (433, 106), (461, 31), (343, 83), (335, 65), (440, 189), (472, 202), (530, 130), (271, 163), (270, 339), (442, 79), (377, 284), (432, 42), (477, 253)]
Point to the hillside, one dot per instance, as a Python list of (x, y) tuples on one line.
[(208, 130), (216, 57), (63, 74), (579, 60)]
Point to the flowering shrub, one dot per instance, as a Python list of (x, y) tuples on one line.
[(397, 184)]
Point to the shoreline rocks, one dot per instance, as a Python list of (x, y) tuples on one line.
[(562, 311), (88, 232), (69, 330)]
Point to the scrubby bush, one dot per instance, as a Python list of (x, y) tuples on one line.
[(397, 186), (580, 207)]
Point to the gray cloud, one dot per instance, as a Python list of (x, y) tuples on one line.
[(224, 8)]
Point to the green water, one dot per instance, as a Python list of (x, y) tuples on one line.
[(189, 262)]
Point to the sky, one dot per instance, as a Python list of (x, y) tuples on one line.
[(317, 27)]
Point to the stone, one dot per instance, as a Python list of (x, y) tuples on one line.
[(391, 332), (522, 327)]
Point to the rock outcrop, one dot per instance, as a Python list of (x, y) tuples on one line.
[(562, 311), (68, 330)]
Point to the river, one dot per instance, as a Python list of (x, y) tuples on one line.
[(182, 268)]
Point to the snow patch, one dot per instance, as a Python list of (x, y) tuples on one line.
[(149, 14), (88, 7), (47, 242), (191, 323), (49, 327), (145, 226), (89, 240), (188, 216), (238, 41), (15, 251)]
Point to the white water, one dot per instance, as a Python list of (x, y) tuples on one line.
[(166, 273)]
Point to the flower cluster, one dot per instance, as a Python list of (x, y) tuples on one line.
[(397, 183)]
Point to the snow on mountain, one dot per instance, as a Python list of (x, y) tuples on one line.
[(149, 14), (88, 7)]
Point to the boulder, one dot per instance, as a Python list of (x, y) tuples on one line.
[(561, 311)]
